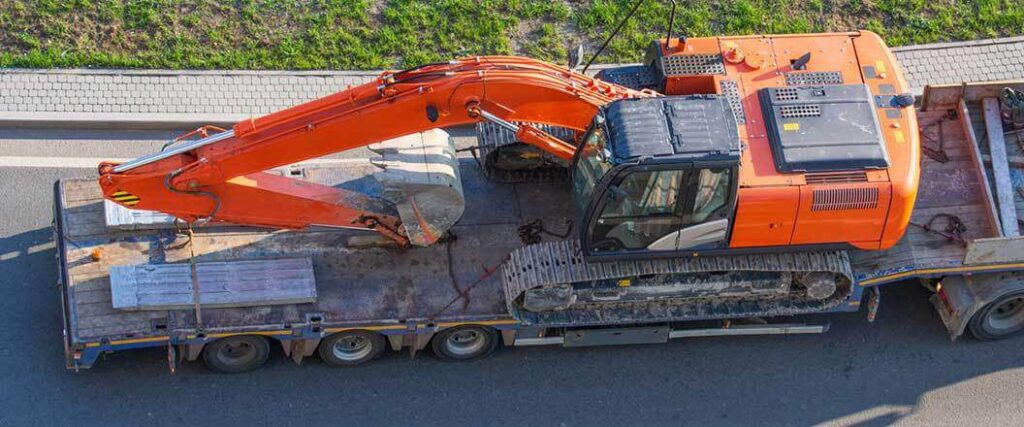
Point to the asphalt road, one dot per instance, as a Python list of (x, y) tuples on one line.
[(900, 369)]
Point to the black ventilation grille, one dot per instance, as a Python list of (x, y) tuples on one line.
[(732, 93), (841, 199), (635, 77), (786, 94), (814, 78), (793, 111), (691, 65), (836, 178)]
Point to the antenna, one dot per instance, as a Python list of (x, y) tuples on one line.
[(632, 11), (671, 23)]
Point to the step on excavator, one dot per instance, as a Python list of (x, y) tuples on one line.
[(722, 175)]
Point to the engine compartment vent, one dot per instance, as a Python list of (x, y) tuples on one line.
[(786, 94), (732, 92), (841, 199), (836, 178), (814, 78), (692, 65), (794, 111)]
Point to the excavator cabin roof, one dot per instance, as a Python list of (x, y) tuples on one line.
[(673, 128)]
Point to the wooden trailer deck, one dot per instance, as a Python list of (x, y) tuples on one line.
[(377, 286), (957, 180), (954, 188)]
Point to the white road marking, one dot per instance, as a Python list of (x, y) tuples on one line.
[(93, 162), (53, 162)]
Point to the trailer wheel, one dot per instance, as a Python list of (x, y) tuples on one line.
[(999, 319), (465, 342), (350, 348), (234, 354)]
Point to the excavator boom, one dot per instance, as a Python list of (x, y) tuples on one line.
[(222, 177)]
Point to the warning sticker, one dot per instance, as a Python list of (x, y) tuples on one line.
[(125, 198), (791, 127)]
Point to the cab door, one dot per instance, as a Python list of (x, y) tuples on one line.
[(663, 209)]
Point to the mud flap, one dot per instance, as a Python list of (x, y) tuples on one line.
[(420, 175), (958, 298), (955, 303)]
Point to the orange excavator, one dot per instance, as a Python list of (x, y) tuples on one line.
[(738, 168)]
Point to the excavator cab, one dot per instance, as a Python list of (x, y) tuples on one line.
[(657, 176)]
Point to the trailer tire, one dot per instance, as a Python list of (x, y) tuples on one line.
[(236, 354), (999, 319), (350, 348), (465, 342)]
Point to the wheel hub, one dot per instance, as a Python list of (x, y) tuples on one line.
[(352, 348), (236, 353), (1009, 315), (465, 342)]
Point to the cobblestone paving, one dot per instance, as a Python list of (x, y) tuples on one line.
[(981, 61), (243, 93), (213, 92)]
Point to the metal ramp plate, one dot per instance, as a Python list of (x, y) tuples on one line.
[(221, 284), (122, 218)]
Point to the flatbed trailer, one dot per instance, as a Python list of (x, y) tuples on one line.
[(449, 296)]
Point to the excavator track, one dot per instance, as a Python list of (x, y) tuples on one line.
[(666, 290), (496, 143)]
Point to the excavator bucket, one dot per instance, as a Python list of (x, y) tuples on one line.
[(420, 175)]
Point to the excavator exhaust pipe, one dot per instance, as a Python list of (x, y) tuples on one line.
[(420, 175)]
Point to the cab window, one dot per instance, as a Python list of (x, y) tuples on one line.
[(591, 167), (644, 194), (669, 209), (640, 209), (711, 194)]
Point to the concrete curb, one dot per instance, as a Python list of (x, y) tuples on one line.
[(116, 120)]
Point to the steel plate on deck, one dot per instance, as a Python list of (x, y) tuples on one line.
[(221, 284)]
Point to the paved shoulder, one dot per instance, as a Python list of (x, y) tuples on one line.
[(152, 94), (972, 61)]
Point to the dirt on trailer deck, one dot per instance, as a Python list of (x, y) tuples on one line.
[(453, 281)]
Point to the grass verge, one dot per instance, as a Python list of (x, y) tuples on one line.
[(373, 34)]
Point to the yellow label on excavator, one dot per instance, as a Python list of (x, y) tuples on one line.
[(241, 180), (791, 127)]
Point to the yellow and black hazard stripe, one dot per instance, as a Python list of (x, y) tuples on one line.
[(125, 198)]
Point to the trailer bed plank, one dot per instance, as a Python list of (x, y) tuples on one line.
[(1000, 167), (952, 188), (220, 284)]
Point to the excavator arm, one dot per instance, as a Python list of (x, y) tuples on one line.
[(221, 177)]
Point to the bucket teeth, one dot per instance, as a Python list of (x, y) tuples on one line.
[(420, 175)]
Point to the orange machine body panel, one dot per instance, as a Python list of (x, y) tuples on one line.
[(869, 209)]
